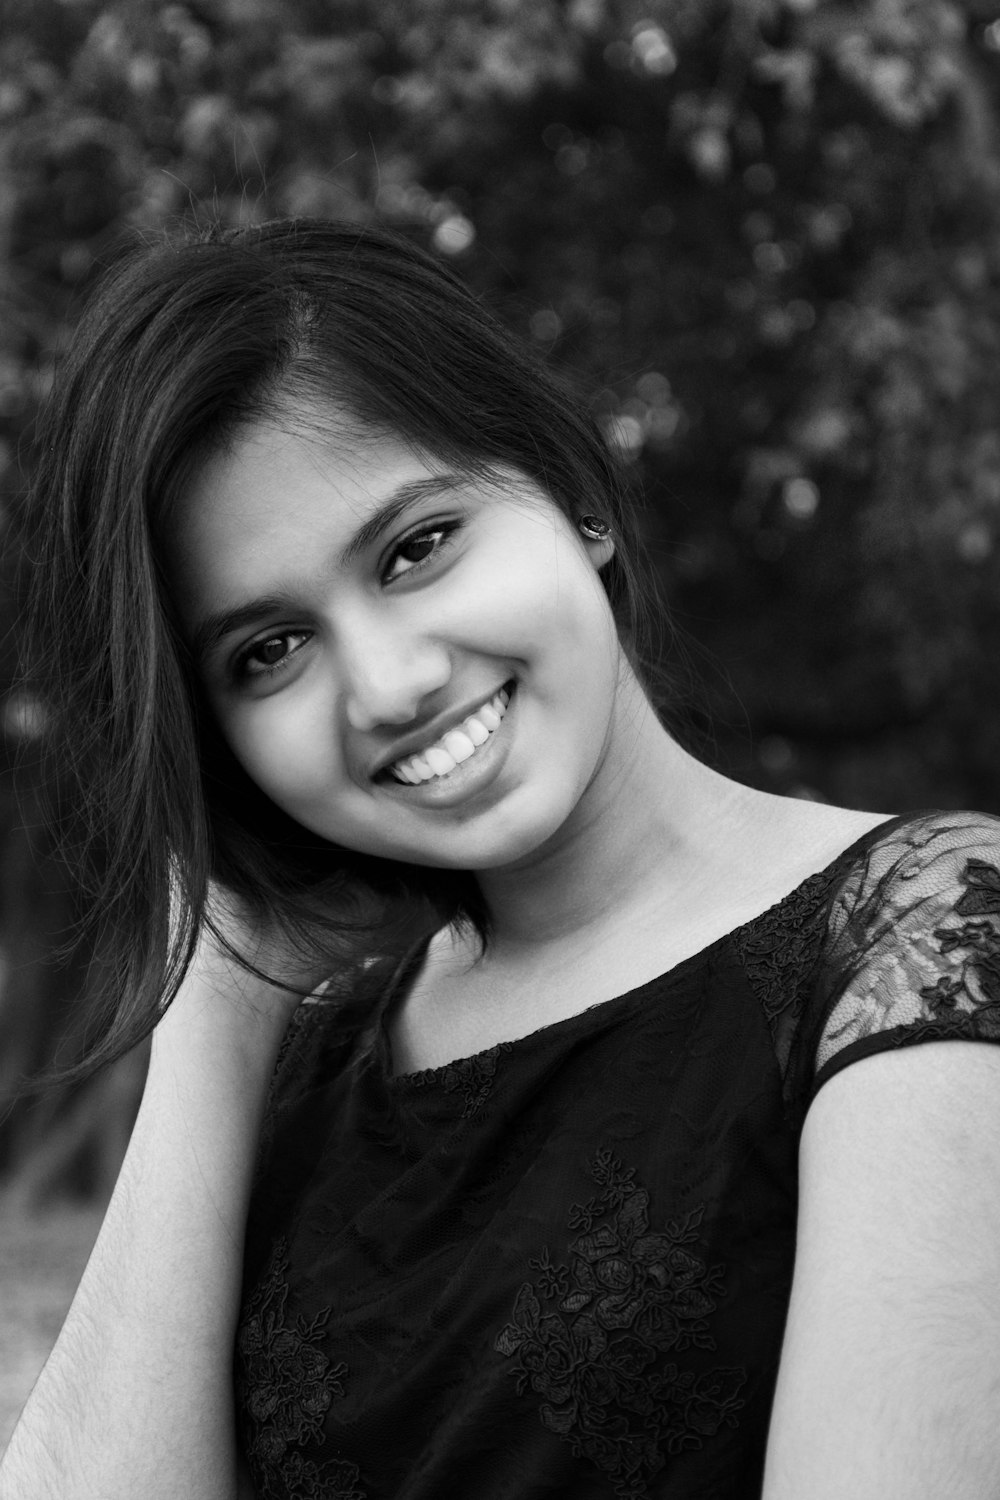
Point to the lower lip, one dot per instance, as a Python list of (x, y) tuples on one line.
[(468, 779)]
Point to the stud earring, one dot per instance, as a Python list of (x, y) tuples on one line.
[(594, 528)]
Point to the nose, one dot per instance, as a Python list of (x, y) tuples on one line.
[(389, 675)]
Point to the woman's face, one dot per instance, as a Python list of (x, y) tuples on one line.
[(410, 662)]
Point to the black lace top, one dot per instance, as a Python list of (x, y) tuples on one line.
[(561, 1267)]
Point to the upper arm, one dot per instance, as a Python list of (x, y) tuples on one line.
[(889, 1384)]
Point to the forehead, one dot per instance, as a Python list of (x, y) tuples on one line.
[(268, 478)]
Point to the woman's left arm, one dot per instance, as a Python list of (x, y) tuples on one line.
[(889, 1385)]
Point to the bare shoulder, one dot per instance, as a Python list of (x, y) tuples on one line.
[(820, 831), (774, 843), (891, 1361)]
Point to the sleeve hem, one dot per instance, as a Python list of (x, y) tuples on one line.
[(961, 1029)]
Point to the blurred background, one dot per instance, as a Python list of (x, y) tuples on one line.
[(760, 237)]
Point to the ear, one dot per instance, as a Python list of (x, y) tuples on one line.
[(600, 552)]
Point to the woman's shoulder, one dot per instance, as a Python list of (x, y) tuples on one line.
[(886, 926), (911, 946), (323, 1033), (872, 857), (911, 892), (915, 862)]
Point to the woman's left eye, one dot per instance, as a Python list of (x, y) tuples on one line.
[(415, 550)]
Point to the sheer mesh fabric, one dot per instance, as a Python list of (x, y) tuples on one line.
[(561, 1267), (914, 942)]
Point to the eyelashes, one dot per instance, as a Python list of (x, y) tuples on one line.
[(429, 541), (272, 653), (257, 660)]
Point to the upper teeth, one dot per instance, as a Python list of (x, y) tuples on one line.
[(455, 745)]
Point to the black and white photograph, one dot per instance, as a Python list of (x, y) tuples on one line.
[(500, 750)]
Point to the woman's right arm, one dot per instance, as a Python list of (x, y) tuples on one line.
[(136, 1397)]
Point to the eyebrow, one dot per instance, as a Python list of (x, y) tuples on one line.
[(215, 627), (206, 637), (382, 519)]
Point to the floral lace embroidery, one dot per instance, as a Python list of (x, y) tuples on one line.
[(303, 1480), (591, 1338), (978, 979), (472, 1078), (918, 981), (286, 1386), (780, 947)]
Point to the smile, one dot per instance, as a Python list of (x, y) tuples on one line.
[(456, 746)]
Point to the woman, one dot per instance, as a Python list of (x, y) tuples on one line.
[(341, 600)]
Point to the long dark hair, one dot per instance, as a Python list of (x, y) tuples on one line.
[(183, 343)]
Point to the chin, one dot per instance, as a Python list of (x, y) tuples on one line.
[(511, 847), (511, 833)]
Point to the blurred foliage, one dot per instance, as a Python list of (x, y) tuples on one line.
[(761, 236)]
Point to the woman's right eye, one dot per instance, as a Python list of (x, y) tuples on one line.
[(272, 654)]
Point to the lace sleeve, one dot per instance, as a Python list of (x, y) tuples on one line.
[(913, 947)]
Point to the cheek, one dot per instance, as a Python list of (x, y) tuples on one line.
[(544, 599), (281, 746), (568, 620)]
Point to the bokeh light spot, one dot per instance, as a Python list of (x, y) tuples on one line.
[(454, 234), (800, 498)]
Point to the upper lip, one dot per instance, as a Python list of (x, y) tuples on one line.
[(432, 731)]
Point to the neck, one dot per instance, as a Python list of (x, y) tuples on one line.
[(640, 831)]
